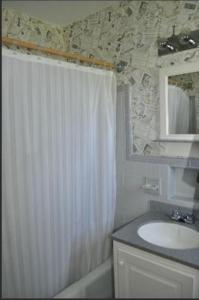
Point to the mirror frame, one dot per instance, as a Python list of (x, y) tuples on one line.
[(164, 118)]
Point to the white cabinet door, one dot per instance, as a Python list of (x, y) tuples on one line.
[(139, 274)]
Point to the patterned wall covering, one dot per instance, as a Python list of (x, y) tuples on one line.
[(189, 82), (21, 26), (125, 32)]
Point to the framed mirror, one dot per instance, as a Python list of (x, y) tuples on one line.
[(179, 103)]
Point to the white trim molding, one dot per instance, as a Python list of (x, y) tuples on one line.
[(164, 117)]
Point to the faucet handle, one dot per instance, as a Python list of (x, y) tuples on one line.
[(188, 218), (176, 214)]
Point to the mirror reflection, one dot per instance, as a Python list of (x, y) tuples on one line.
[(183, 103)]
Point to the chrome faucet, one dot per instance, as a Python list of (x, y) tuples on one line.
[(179, 217), (176, 214)]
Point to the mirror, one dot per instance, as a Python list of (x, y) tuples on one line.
[(183, 103), (179, 103)]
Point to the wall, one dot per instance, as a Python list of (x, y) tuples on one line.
[(128, 33), (21, 26)]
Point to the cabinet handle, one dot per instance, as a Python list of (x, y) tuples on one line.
[(121, 262)]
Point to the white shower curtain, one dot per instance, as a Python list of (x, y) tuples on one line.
[(58, 183)]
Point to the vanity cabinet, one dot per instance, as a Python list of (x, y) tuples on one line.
[(140, 274)]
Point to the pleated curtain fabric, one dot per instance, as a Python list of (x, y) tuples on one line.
[(58, 173)]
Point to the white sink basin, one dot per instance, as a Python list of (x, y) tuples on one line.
[(169, 235)]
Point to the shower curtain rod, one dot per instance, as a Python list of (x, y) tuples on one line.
[(56, 52)]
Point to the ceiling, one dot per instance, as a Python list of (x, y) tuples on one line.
[(58, 12)]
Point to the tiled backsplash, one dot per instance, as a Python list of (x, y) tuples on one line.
[(184, 183), (178, 187), (167, 208)]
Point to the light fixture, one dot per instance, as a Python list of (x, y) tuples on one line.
[(167, 45), (185, 38), (175, 43)]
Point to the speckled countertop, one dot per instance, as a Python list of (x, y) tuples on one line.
[(128, 235)]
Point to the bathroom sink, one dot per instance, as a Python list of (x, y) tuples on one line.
[(169, 235)]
